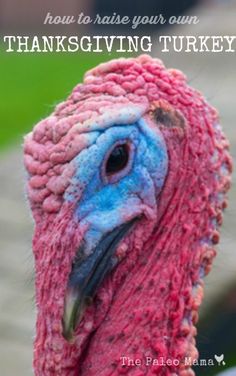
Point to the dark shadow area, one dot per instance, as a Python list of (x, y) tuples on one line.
[(217, 334)]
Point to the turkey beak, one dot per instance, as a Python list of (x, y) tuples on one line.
[(86, 276)]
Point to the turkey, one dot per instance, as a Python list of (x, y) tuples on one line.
[(127, 181)]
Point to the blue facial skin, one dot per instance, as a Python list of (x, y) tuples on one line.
[(105, 204)]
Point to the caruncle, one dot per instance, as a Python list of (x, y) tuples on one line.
[(74, 43)]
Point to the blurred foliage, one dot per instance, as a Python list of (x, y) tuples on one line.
[(31, 85)]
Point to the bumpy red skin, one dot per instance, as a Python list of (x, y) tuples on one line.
[(148, 305)]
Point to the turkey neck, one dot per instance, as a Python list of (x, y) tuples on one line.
[(148, 316)]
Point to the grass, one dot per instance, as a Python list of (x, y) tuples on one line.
[(31, 84)]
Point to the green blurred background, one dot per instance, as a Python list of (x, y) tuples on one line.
[(31, 85)]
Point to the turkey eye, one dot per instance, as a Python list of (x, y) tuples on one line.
[(118, 159)]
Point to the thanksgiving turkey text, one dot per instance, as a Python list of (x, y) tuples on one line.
[(120, 43)]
